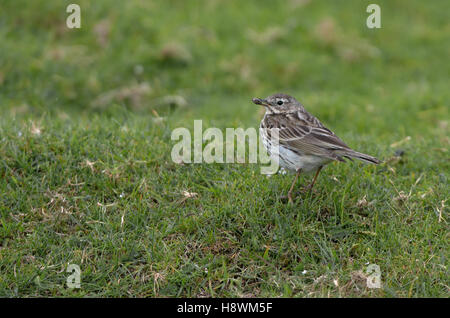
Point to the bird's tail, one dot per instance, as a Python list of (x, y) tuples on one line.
[(362, 157)]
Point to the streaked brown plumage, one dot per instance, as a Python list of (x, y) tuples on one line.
[(305, 144)]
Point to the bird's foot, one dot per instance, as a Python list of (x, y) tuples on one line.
[(290, 201), (288, 198)]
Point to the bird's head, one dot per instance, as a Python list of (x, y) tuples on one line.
[(279, 103)]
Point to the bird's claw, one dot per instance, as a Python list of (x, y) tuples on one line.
[(287, 198)]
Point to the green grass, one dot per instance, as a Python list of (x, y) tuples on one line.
[(86, 175)]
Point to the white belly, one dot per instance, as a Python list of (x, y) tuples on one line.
[(292, 161)]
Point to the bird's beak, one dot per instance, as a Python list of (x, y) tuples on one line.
[(259, 101)]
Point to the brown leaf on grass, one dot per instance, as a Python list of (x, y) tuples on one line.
[(171, 100), (355, 50), (20, 109), (89, 164), (72, 54), (58, 206), (349, 48), (325, 31), (401, 198), (175, 52), (363, 203), (158, 279), (401, 142), (442, 124), (102, 30), (135, 94), (189, 194), (269, 35), (440, 210), (35, 129), (239, 67), (158, 120)]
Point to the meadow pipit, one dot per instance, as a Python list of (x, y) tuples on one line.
[(305, 144)]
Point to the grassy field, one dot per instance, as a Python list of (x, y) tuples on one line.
[(86, 175)]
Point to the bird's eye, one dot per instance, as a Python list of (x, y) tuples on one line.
[(280, 102)]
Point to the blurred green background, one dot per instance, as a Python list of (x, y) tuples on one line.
[(220, 53), (85, 122)]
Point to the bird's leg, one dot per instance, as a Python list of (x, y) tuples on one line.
[(292, 186), (309, 187)]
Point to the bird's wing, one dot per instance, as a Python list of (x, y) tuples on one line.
[(301, 137)]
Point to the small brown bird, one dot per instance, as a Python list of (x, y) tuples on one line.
[(304, 143)]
